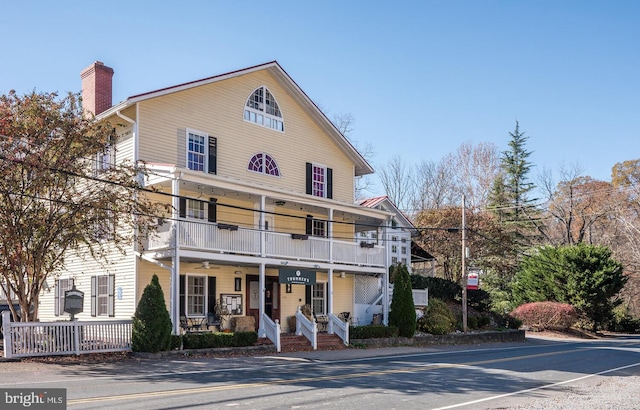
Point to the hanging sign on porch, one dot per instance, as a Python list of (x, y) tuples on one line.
[(297, 276)]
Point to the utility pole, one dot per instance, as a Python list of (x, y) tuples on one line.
[(464, 267)]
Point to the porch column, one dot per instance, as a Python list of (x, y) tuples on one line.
[(330, 281), (174, 280), (262, 286), (263, 236), (385, 286)]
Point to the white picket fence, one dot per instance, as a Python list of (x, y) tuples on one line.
[(27, 339)]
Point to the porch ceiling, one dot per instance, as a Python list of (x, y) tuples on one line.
[(202, 186)]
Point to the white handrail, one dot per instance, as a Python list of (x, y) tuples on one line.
[(308, 328), (272, 330), (339, 328)]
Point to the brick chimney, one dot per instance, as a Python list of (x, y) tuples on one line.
[(96, 88)]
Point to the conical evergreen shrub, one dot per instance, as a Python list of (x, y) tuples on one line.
[(403, 310), (151, 323)]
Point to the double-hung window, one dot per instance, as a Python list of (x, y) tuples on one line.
[(319, 298), (319, 180), (106, 159), (198, 209), (196, 295), (62, 285), (316, 227), (102, 295), (201, 152)]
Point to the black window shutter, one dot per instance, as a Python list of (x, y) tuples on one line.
[(213, 210), (329, 183), (182, 292), (111, 311), (94, 294), (309, 178), (307, 295), (56, 299), (213, 155), (309, 227), (212, 295), (183, 207)]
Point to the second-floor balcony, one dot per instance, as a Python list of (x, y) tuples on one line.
[(223, 238)]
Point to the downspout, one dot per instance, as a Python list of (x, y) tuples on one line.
[(174, 299), (134, 132)]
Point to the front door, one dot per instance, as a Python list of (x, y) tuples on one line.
[(271, 298)]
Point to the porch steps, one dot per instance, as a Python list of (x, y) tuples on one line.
[(293, 343)]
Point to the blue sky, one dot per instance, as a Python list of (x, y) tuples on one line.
[(419, 77)]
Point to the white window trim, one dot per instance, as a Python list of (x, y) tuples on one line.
[(186, 295), (264, 165), (59, 295), (202, 204), (313, 181), (324, 298), (318, 225), (264, 113), (205, 166)]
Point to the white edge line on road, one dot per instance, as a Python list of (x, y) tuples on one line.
[(536, 388)]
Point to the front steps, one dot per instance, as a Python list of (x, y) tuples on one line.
[(292, 343)]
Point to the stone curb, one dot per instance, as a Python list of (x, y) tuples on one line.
[(416, 341), (450, 339)]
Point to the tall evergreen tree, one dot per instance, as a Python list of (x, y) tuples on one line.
[(403, 309), (516, 214), (510, 194)]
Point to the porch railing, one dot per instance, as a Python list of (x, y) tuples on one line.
[(26, 339), (272, 330), (307, 327), (338, 327), (226, 238)]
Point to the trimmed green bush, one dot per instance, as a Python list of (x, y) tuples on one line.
[(151, 330), (438, 318), (513, 322), (372, 332), (436, 324), (218, 339)]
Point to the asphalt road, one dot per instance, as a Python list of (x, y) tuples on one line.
[(446, 377)]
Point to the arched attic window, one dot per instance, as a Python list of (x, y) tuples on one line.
[(262, 109), (263, 163)]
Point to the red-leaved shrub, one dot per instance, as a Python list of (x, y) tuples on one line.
[(546, 315)]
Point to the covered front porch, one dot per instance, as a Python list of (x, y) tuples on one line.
[(245, 234)]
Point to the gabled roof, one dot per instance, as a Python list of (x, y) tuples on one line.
[(418, 254), (362, 167), (383, 202)]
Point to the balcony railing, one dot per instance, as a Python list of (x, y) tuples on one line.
[(211, 237)]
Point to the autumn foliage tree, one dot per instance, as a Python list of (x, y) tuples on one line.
[(52, 200)]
